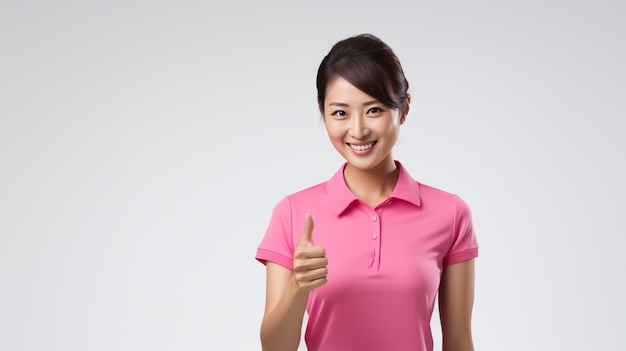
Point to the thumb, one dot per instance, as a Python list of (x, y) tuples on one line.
[(307, 234)]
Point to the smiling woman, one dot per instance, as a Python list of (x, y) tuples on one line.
[(363, 130), (383, 246)]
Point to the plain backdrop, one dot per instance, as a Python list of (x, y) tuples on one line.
[(143, 145)]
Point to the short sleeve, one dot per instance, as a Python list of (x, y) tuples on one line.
[(464, 243), (277, 244)]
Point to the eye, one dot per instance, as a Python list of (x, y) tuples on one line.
[(339, 114), (375, 111)]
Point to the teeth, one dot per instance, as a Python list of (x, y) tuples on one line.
[(362, 147)]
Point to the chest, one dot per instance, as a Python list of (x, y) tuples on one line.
[(397, 248)]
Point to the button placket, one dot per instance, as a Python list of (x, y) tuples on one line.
[(375, 240)]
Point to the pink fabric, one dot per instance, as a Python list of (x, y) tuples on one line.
[(384, 263)]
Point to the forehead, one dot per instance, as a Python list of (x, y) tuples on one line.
[(339, 90)]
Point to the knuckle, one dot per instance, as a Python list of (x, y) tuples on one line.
[(298, 266)]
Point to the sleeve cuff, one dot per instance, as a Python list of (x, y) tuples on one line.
[(264, 255), (460, 256)]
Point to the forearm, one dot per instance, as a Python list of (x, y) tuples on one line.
[(466, 345), (456, 300), (282, 326)]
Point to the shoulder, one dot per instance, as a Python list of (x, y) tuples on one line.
[(301, 198), (430, 192), (438, 197), (308, 192)]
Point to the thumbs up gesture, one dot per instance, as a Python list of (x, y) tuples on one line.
[(309, 261)]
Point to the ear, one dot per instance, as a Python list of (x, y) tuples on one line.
[(319, 108), (405, 110)]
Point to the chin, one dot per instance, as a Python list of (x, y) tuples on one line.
[(364, 165)]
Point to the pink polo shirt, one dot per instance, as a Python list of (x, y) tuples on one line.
[(384, 263)]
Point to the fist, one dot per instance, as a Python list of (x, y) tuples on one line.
[(309, 261)]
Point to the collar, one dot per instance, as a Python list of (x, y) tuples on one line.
[(341, 197)]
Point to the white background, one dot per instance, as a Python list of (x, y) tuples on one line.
[(143, 145)]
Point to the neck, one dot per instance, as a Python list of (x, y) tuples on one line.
[(372, 185)]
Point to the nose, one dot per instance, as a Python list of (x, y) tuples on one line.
[(358, 128)]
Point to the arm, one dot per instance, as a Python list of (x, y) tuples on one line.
[(287, 293), (456, 301), (285, 304)]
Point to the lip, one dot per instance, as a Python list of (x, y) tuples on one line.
[(362, 152), (363, 143)]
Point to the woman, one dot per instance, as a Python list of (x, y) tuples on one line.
[(366, 252)]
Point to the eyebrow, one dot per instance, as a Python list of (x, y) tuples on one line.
[(342, 104)]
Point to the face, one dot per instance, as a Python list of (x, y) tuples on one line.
[(361, 129)]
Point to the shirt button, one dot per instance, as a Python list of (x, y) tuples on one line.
[(374, 218), (374, 236)]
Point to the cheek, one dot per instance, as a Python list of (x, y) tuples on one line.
[(335, 138), (394, 126), (393, 130), (386, 127), (333, 131)]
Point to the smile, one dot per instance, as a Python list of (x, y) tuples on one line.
[(362, 147)]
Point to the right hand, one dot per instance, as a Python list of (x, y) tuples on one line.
[(309, 261)]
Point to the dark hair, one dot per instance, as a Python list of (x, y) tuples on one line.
[(369, 64)]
